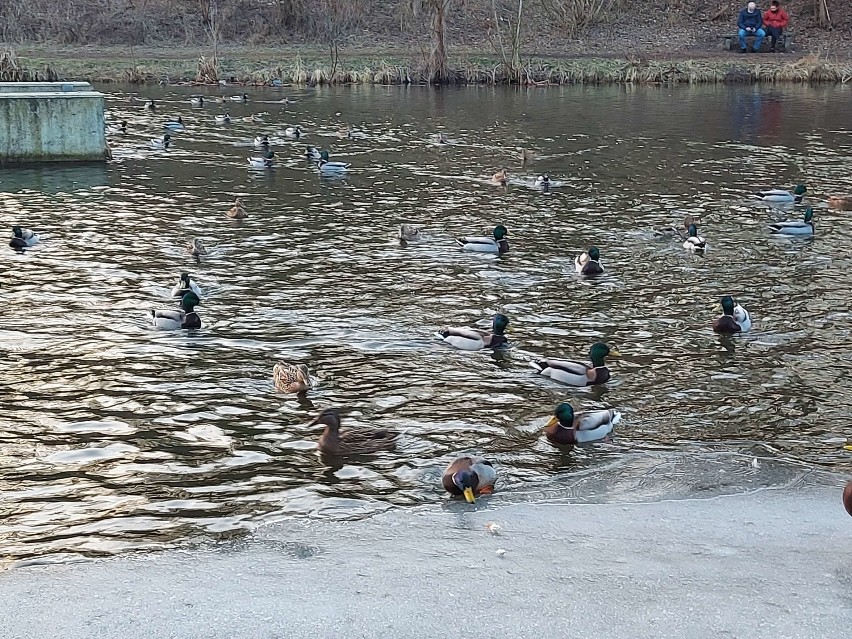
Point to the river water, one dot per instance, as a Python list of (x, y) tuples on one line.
[(116, 436)]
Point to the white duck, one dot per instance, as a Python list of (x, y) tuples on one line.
[(175, 125), (161, 144), (468, 339), (782, 196), (497, 244), (804, 227), (694, 242)]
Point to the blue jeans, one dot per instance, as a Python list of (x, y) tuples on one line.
[(759, 35)]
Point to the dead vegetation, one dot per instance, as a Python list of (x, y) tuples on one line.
[(11, 70)]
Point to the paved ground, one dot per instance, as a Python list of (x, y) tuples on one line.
[(772, 564)]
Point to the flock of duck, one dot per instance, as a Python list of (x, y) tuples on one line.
[(466, 476)]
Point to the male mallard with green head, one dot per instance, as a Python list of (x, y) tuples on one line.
[(566, 428), (734, 319), (578, 373), (352, 441), (497, 244), (589, 263), (469, 476), (468, 339)]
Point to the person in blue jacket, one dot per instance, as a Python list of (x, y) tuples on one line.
[(750, 24)]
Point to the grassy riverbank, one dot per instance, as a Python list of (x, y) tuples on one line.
[(312, 65)]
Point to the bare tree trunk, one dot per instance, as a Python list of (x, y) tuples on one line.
[(821, 12), (439, 69)]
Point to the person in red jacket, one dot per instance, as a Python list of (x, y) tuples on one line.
[(775, 20)]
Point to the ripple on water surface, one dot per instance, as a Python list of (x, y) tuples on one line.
[(115, 436)]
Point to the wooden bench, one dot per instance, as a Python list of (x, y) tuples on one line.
[(731, 42)]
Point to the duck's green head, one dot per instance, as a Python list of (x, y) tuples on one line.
[(594, 253), (809, 215), (17, 231), (599, 351), (728, 305), (693, 230), (800, 189), (563, 415), (499, 324), (324, 156), (500, 232), (190, 301)]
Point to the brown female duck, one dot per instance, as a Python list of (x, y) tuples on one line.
[(291, 378), (352, 441)]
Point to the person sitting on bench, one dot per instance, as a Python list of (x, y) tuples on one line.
[(775, 21), (750, 24)]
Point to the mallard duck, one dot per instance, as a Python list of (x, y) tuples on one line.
[(497, 244), (264, 162), (196, 247), (175, 125), (293, 132), (805, 227), (185, 285), (566, 429), (589, 263), (780, 195), (578, 373), (734, 319), (290, 378), (119, 129), (344, 131), (501, 177), (842, 202), (543, 181), (239, 98), (150, 106), (261, 142), (409, 233), (326, 166), (197, 101), (693, 241), (440, 138), (237, 211), (185, 316), (222, 119), (162, 143), (254, 117), (847, 497), (312, 154), (468, 339), (469, 476), (352, 441), (22, 238)]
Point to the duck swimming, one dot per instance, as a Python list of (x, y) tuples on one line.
[(262, 162), (22, 238), (498, 244), (734, 319), (119, 129), (694, 242), (150, 106), (469, 476), (197, 101), (312, 154), (239, 98), (501, 177), (175, 125), (293, 132), (409, 233), (261, 141), (782, 196), (222, 119), (803, 227), (468, 339), (567, 429), (291, 378), (237, 212), (185, 285), (352, 441), (182, 317), (326, 166), (543, 182), (196, 248), (842, 202), (578, 373), (589, 263), (161, 143)]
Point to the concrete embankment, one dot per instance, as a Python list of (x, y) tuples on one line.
[(769, 564)]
